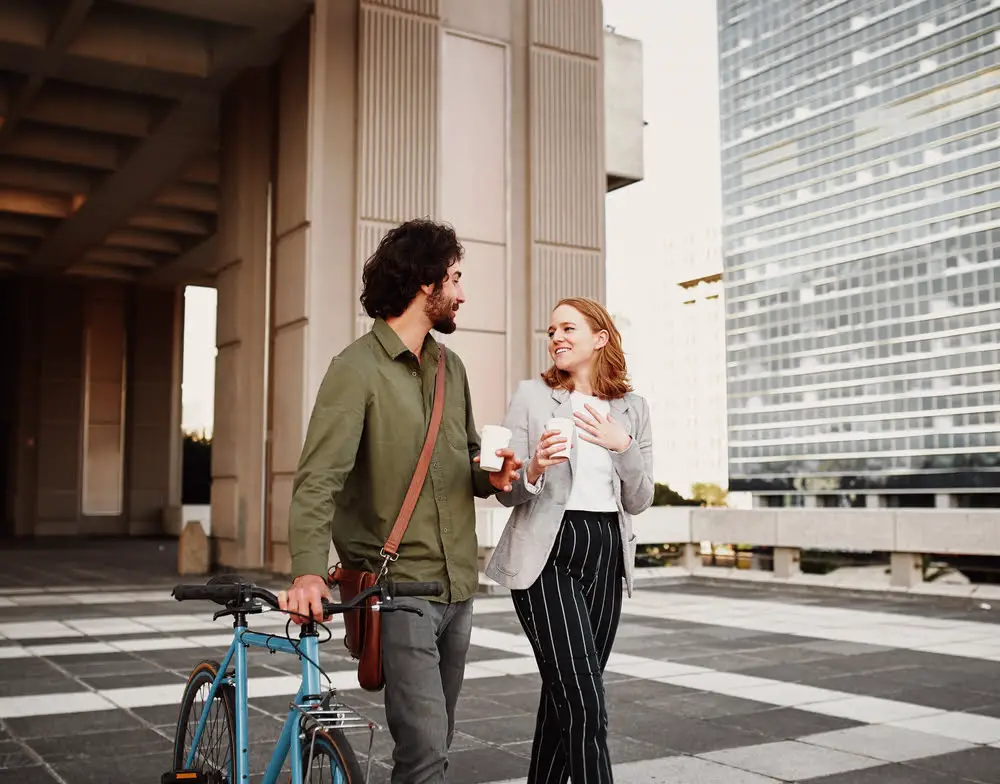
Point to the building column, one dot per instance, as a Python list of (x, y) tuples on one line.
[(153, 419), (568, 181), (315, 286), (946, 501), (243, 322)]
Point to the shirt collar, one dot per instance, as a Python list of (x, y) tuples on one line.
[(395, 347)]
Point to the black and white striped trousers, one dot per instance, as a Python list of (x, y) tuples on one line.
[(570, 615)]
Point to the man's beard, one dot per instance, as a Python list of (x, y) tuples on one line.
[(441, 313)]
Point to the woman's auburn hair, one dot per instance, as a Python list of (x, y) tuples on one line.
[(609, 377)]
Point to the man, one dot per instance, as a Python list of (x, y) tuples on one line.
[(366, 431)]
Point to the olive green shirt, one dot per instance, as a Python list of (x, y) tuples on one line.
[(361, 448)]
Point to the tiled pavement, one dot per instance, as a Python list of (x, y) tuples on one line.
[(734, 684)]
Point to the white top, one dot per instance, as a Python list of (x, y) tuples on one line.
[(593, 489)]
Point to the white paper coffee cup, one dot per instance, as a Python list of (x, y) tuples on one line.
[(566, 428), (494, 437)]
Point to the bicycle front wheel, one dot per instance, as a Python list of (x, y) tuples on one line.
[(215, 752), (329, 759)]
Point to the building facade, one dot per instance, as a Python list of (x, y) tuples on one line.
[(686, 379), (861, 189), (264, 148)]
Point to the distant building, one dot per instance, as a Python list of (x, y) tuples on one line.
[(678, 318), (861, 196)]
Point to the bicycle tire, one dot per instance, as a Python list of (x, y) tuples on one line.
[(331, 744), (203, 674)]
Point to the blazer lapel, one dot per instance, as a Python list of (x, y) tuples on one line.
[(619, 412), (563, 407)]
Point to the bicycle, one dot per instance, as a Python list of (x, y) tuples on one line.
[(312, 734)]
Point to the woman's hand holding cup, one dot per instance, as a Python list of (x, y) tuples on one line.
[(552, 443)]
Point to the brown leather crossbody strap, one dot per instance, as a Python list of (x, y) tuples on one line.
[(416, 484)]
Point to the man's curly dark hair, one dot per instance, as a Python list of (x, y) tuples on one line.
[(414, 254)]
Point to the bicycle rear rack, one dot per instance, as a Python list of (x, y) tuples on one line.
[(331, 714)]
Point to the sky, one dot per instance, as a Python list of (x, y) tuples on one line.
[(679, 196), (681, 190)]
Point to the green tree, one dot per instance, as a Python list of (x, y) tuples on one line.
[(664, 496), (709, 493)]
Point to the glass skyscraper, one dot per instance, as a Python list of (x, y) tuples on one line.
[(861, 195)]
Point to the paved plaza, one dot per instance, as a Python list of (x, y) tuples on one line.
[(734, 684)]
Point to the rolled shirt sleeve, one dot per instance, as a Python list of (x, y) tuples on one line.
[(327, 457)]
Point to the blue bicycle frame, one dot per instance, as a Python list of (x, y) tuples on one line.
[(289, 742)]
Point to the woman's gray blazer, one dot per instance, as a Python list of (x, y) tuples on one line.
[(532, 528)]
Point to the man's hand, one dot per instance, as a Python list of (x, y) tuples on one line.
[(503, 480), (305, 598)]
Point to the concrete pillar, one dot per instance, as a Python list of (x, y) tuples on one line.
[(906, 570), (810, 501), (691, 556), (30, 329), (945, 501), (156, 327), (874, 501), (56, 442), (315, 280), (566, 105), (786, 563), (243, 323)]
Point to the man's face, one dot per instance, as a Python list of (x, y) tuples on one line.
[(442, 304)]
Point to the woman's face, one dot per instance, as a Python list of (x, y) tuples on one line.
[(572, 341)]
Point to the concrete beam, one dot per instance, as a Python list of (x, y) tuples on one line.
[(174, 221), (23, 202), (122, 257), (123, 78), (189, 129), (249, 13), (144, 240), (189, 196), (24, 23), (41, 176), (92, 109), (55, 47), (15, 246), (194, 265), (126, 37), (23, 226), (63, 146), (203, 170)]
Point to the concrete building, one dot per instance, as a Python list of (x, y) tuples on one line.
[(263, 147), (862, 251), (685, 378)]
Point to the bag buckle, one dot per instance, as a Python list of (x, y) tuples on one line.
[(387, 558)]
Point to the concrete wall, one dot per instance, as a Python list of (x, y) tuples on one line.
[(94, 401), (624, 121), (487, 114)]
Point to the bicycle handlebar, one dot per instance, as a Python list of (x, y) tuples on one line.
[(223, 593)]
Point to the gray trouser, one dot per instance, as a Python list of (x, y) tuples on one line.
[(423, 658)]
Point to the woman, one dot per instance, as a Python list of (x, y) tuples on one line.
[(568, 543)]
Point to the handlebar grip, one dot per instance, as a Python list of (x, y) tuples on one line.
[(417, 589), (219, 592)]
